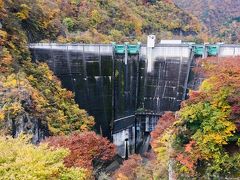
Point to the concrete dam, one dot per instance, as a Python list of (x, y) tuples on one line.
[(125, 87)]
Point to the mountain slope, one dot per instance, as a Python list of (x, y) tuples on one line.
[(127, 20), (102, 20), (221, 17), (31, 97)]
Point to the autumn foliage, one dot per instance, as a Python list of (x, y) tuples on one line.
[(23, 160), (36, 93), (99, 21), (29, 90), (209, 121), (189, 157), (164, 123), (128, 171), (219, 11), (204, 140), (84, 148)]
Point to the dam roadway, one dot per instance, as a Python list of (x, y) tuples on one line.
[(125, 91)]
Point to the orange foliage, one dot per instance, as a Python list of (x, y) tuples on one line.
[(185, 160), (69, 94), (165, 122), (5, 60), (189, 157), (128, 169), (194, 97), (188, 147), (84, 148), (226, 70)]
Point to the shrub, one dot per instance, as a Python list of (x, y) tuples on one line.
[(128, 171), (84, 148), (69, 23)]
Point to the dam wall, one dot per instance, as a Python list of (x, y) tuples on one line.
[(87, 71), (227, 50), (125, 94)]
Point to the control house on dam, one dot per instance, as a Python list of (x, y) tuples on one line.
[(126, 87)]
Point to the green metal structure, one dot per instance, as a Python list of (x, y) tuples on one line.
[(133, 48), (198, 49), (119, 48), (212, 50)]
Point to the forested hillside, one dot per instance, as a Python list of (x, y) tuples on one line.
[(98, 21), (125, 20), (221, 17)]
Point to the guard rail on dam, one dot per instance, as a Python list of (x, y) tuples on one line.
[(229, 50), (125, 92)]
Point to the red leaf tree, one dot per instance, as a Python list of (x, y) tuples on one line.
[(84, 148), (164, 123), (128, 170)]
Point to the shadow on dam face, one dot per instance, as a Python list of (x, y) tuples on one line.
[(124, 98)]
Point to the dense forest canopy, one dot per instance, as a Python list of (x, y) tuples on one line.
[(98, 21), (31, 90), (221, 18)]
